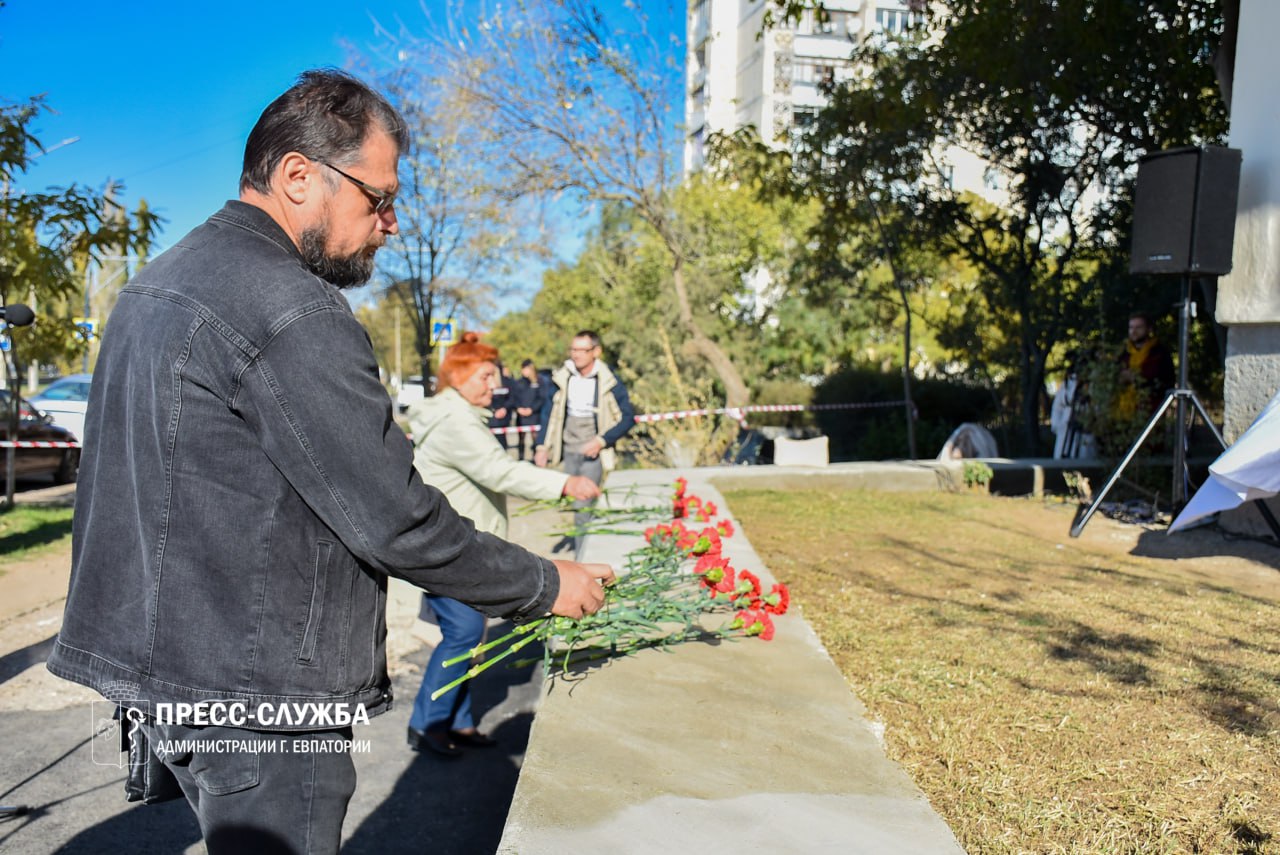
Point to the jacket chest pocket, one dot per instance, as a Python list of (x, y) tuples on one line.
[(322, 559)]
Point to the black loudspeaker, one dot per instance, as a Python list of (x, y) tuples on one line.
[(1184, 211)]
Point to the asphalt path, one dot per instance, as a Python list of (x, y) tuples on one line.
[(53, 765)]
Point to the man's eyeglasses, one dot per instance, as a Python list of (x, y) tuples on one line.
[(382, 200)]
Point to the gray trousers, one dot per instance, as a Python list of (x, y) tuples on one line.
[(577, 431), (290, 798), (589, 467)]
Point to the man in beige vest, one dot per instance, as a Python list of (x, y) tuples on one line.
[(585, 416)]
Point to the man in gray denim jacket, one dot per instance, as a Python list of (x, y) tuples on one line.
[(245, 493)]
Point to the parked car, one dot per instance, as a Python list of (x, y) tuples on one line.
[(62, 463), (65, 400)]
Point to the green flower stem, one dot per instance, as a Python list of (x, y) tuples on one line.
[(523, 629), (475, 670)]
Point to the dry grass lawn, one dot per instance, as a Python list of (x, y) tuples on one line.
[(1116, 693)]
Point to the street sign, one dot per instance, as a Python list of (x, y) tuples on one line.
[(88, 327), (444, 333)]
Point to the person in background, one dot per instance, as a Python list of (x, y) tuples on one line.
[(586, 414), (457, 454), (530, 397), (503, 405), (1146, 369), (1070, 403)]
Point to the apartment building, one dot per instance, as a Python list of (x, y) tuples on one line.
[(739, 76)]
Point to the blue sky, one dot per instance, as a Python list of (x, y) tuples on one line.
[(162, 95)]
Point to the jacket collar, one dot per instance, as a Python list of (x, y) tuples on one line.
[(574, 372), (254, 219)]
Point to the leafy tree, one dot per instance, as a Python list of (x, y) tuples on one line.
[(48, 239), (618, 285), (1059, 98), (582, 102), (385, 320), (460, 232)]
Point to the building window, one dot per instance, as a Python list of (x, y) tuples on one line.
[(843, 23), (895, 21), (803, 117), (815, 73)]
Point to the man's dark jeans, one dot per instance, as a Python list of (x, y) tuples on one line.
[(261, 792)]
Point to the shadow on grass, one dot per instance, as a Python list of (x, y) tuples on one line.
[(1232, 707), (1206, 543), (1222, 693), (41, 535), (1112, 654)]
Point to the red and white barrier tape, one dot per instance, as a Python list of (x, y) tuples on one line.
[(737, 413), (29, 443)]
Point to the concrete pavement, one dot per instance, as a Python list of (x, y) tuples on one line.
[(742, 746), (404, 802)]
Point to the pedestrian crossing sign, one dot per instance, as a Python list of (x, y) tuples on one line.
[(443, 333)]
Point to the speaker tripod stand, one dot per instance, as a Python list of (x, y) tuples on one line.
[(1178, 399)]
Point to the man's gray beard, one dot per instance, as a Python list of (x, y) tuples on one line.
[(342, 271)]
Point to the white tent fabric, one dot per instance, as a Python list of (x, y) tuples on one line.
[(1248, 470)]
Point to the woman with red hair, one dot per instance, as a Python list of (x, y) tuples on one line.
[(458, 454)]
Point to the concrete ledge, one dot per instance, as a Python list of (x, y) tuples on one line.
[(1022, 477), (745, 746)]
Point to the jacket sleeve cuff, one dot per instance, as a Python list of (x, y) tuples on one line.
[(542, 602)]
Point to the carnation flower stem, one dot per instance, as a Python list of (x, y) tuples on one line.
[(661, 599), (481, 648), (488, 663)]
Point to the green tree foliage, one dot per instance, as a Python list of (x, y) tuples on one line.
[(741, 251), (460, 231), (1059, 98), (387, 322), (48, 239), (582, 101)]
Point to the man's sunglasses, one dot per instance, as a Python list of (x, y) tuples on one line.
[(382, 200)]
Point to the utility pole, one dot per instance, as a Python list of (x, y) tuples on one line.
[(399, 376)]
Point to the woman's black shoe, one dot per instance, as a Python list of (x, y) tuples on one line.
[(434, 741), (472, 738)]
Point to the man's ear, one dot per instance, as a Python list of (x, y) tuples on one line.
[(297, 178)]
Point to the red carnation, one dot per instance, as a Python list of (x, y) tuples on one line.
[(681, 486), (778, 600), (686, 539), (753, 622), (725, 527), (707, 540), (679, 508), (708, 561), (748, 586), (719, 578)]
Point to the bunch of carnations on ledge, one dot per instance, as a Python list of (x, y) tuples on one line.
[(679, 576)]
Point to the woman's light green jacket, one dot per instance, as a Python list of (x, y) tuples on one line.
[(456, 453)]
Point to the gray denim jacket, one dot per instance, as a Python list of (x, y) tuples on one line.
[(244, 492)]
